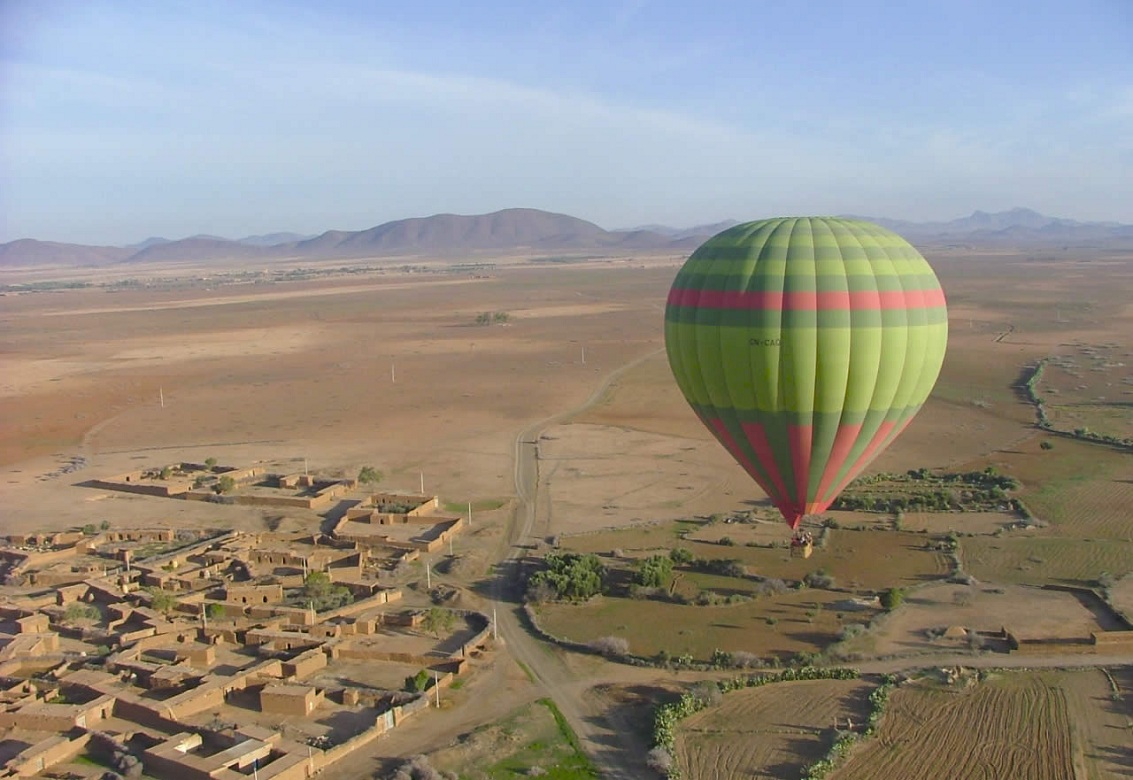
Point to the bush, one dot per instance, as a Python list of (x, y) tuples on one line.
[(161, 600), (610, 646), (418, 768), (438, 621), (654, 571), (892, 598), (570, 576), (322, 595), (680, 556), (368, 475), (772, 587), (659, 760), (741, 659), (707, 694), (819, 579), (417, 682), (78, 611)]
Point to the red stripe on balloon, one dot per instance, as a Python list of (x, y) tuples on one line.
[(886, 432), (802, 300), (757, 438), (839, 451), (799, 439)]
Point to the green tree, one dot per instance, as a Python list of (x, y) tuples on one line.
[(225, 484), (569, 576), (368, 475), (417, 682), (322, 594), (210, 463), (104, 525), (680, 556), (215, 611), (654, 571), (78, 611), (438, 621), (161, 600), (892, 598)]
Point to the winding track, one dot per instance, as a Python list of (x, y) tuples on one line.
[(607, 746)]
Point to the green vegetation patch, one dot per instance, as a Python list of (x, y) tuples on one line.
[(779, 626), (923, 490), (867, 559), (535, 741)]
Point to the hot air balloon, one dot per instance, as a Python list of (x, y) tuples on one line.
[(805, 345)]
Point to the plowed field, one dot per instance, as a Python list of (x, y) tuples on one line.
[(769, 732), (1016, 727)]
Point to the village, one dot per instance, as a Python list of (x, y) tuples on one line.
[(197, 653)]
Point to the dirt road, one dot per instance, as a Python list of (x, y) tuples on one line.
[(617, 753)]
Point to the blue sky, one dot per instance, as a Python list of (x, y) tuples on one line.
[(122, 120)]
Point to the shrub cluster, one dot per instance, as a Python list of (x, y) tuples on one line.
[(568, 576)]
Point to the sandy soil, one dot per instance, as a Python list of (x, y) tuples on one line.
[(1027, 612)]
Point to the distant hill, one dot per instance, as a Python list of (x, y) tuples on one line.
[(27, 252), (196, 249), (1017, 227), (678, 233), (511, 229), (273, 239), (538, 232)]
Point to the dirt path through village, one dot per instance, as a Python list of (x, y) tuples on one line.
[(615, 751)]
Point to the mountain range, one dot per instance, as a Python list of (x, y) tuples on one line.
[(537, 232)]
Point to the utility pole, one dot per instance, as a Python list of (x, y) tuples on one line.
[(437, 688), (469, 514), (161, 396), (422, 483), (393, 373), (428, 576), (584, 356), (495, 625)]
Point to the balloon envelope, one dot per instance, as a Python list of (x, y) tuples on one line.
[(806, 345)]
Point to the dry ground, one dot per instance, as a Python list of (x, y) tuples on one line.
[(390, 371), (1028, 612)]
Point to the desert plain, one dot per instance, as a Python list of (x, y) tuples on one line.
[(559, 425)]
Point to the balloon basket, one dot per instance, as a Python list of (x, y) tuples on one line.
[(802, 544)]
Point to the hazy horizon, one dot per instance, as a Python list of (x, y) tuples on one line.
[(118, 123)]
